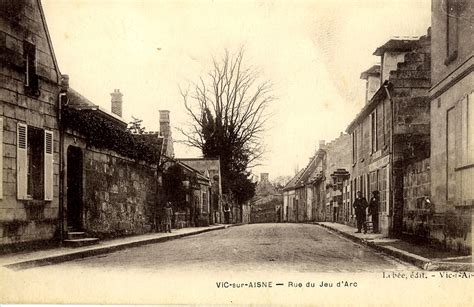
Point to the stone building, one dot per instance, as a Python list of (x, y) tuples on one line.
[(310, 195), (336, 172), (267, 204), (110, 175), (392, 130), (290, 202), (212, 169), (452, 128), (29, 155)]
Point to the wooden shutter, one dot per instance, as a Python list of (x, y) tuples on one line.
[(21, 161), (1, 157), (48, 165)]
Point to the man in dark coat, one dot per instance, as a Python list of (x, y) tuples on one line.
[(360, 204), (374, 210)]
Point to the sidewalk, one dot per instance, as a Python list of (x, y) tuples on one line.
[(422, 256), (25, 260)]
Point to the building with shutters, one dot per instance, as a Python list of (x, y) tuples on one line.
[(29, 155), (452, 118)]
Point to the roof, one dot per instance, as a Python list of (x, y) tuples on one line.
[(372, 71), (79, 102), (198, 173), (380, 94), (291, 184), (304, 175), (397, 43)]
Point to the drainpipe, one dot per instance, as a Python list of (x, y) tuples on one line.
[(62, 96), (391, 156)]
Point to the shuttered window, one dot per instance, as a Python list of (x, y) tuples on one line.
[(48, 165), (35, 148), (22, 161)]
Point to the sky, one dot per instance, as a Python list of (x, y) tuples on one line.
[(312, 51)]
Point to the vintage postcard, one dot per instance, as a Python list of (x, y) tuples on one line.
[(237, 152)]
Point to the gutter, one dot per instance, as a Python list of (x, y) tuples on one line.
[(390, 215), (62, 94)]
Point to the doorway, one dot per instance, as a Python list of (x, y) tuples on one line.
[(74, 188)]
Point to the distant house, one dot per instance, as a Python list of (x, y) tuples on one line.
[(29, 134), (267, 204), (337, 172), (452, 118), (392, 130), (290, 201), (212, 169)]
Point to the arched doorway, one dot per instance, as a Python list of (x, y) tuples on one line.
[(74, 188)]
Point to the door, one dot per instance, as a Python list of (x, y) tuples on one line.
[(74, 188)]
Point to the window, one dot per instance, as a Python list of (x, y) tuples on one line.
[(373, 131), (354, 146), (373, 183), (31, 78), (34, 163), (453, 10), (466, 151), (1, 157), (383, 188), (204, 202)]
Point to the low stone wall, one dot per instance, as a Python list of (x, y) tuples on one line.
[(449, 229), (119, 195)]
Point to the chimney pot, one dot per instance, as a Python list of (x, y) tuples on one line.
[(117, 102)]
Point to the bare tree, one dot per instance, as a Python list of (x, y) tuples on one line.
[(228, 112), (236, 99)]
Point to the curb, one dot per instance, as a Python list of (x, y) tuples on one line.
[(94, 250), (419, 261)]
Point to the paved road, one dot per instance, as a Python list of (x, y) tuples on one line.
[(266, 247), (187, 270)]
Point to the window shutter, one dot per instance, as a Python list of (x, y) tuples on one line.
[(1, 157), (21, 161), (48, 165)]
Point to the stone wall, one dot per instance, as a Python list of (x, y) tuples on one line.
[(416, 192), (24, 220), (119, 195)]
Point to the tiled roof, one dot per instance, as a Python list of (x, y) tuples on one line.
[(374, 70), (292, 183), (397, 43), (79, 102)]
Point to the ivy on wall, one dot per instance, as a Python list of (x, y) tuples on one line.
[(102, 133)]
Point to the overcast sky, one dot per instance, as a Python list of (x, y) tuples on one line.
[(312, 51)]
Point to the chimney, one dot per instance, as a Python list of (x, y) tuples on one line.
[(165, 131), (372, 77), (322, 144), (117, 102), (264, 177)]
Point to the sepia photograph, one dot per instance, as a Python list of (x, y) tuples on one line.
[(273, 152)]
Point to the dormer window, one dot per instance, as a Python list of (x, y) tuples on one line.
[(31, 78)]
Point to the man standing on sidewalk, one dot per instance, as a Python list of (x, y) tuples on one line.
[(168, 214), (360, 204), (374, 210)]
